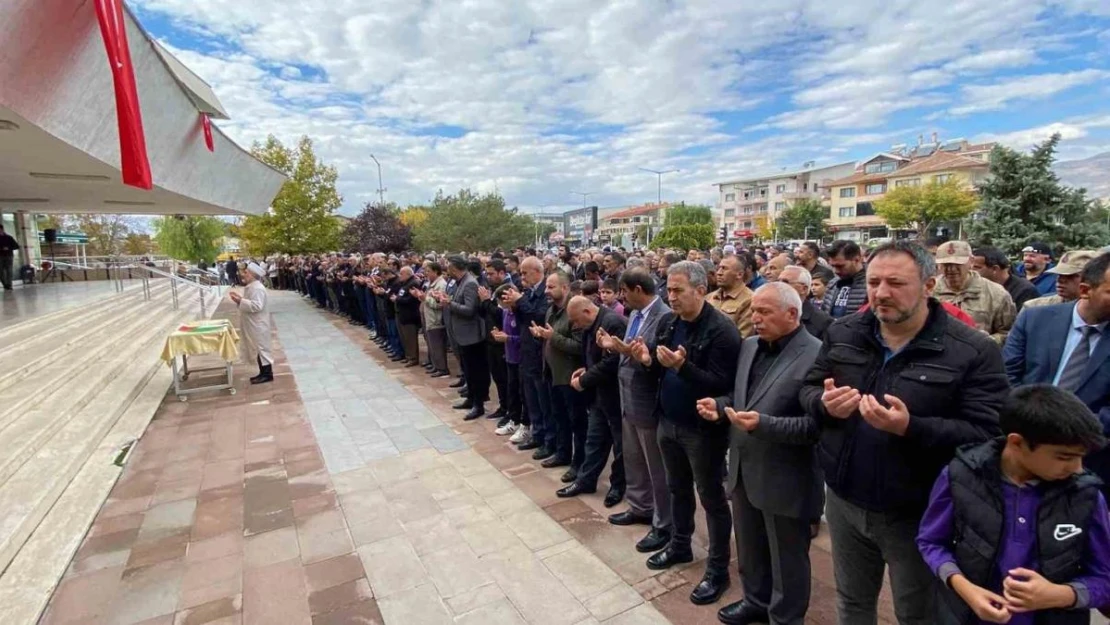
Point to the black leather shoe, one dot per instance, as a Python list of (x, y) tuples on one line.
[(741, 613), (464, 392), (464, 405), (440, 374), (496, 414), (398, 358), (613, 497), (555, 461), (458, 383), (543, 453), (710, 589), (629, 518), (530, 445), (655, 540), (569, 476), (667, 558), (574, 490), (412, 364), (475, 412)]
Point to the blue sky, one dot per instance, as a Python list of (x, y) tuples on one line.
[(540, 98)]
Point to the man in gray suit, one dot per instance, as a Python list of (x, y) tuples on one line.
[(466, 328), (773, 475), (649, 501)]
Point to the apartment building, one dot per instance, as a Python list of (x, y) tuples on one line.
[(624, 223), (852, 198), (745, 204)]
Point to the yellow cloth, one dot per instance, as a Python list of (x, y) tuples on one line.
[(203, 337)]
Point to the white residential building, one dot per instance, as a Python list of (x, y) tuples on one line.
[(744, 203)]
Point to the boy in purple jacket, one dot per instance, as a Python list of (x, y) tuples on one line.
[(1016, 529)]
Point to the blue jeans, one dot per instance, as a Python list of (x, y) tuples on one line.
[(537, 400), (395, 337), (371, 308)]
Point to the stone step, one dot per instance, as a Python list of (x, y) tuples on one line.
[(15, 333), (29, 581), (27, 495), (66, 364), (32, 354)]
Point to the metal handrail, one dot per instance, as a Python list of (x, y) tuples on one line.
[(176, 279)]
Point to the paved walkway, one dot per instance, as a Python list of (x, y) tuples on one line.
[(360, 503)]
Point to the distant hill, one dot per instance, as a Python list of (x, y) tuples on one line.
[(1091, 173)]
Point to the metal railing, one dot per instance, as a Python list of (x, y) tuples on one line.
[(206, 292)]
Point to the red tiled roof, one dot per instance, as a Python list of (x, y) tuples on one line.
[(938, 162), (857, 178), (637, 211)]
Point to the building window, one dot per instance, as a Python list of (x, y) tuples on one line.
[(747, 210), (848, 192), (942, 178), (730, 197), (747, 225), (763, 192), (912, 182), (880, 168), (780, 188), (865, 209), (730, 212), (847, 211), (780, 206), (876, 189), (762, 208), (747, 195)]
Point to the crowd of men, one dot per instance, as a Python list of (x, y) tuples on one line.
[(778, 386)]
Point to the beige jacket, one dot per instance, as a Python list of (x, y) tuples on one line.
[(1045, 300), (986, 302), (736, 305)]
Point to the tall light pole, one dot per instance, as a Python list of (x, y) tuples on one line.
[(584, 196), (381, 189), (659, 175)]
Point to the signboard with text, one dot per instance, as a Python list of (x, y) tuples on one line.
[(579, 225)]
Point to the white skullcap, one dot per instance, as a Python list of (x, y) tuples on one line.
[(729, 249), (255, 269)]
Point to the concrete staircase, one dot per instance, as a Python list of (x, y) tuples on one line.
[(75, 387)]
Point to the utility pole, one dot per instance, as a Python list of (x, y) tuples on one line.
[(584, 196), (381, 189), (659, 176)]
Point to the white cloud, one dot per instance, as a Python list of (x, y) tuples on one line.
[(562, 95), (977, 98)]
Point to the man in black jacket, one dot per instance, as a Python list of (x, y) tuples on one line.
[(408, 316), (496, 275), (598, 379), (815, 320), (895, 391), (694, 354), (848, 293)]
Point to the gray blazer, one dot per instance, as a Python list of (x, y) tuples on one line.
[(639, 388), (465, 322), (777, 460)]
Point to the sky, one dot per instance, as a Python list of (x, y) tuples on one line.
[(539, 99)]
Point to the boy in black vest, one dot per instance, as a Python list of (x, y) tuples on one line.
[(1016, 529)]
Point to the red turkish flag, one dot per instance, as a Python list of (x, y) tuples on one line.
[(207, 124), (132, 143)]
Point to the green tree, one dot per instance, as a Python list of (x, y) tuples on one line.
[(923, 207), (618, 240), (1023, 200), (686, 237), (683, 214), (106, 232), (468, 221), (138, 244), (805, 219), (194, 238), (301, 217)]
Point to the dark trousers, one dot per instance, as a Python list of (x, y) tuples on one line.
[(395, 337), (476, 371), (773, 553), (437, 348), (6, 271), (568, 410), (696, 458), (410, 341), (537, 399), (515, 392), (603, 433), (495, 355)]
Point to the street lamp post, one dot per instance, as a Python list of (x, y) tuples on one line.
[(584, 196), (659, 176), (381, 189)]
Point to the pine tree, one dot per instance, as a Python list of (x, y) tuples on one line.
[(1023, 200)]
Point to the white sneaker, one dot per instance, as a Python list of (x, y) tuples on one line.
[(506, 429), (523, 433)]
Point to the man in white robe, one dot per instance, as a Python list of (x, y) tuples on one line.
[(255, 322)]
